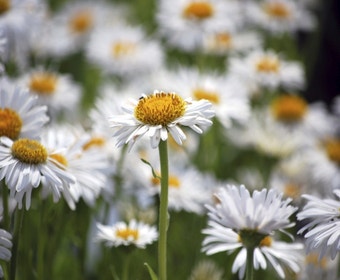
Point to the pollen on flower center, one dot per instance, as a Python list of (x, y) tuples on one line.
[(94, 142), (277, 10), (200, 93), (160, 109), (267, 241), (29, 151), (333, 150), (120, 49), (268, 65), (127, 234), (59, 159), (292, 190), (5, 5), (81, 21), (10, 123), (223, 39), (289, 108), (174, 181), (43, 83), (198, 10)]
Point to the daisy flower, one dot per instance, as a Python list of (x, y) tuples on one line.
[(322, 231), (240, 220), (280, 16), (123, 50), (20, 114), (25, 164), (5, 248), (158, 114), (266, 69), (124, 234), (192, 19), (53, 89)]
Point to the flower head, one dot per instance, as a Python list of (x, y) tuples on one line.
[(158, 114), (134, 233)]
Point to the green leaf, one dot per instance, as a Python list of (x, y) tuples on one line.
[(153, 275), (154, 174)]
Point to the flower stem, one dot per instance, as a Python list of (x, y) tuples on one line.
[(249, 265), (6, 217), (163, 210), (19, 216)]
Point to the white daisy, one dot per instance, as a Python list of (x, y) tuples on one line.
[(53, 89), (158, 114), (228, 96), (192, 19), (20, 114), (25, 164), (267, 69), (124, 50), (280, 16), (323, 224), (5, 248), (124, 234)]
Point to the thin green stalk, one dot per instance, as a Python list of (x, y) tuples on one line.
[(126, 267), (6, 218), (163, 210), (249, 264), (42, 241), (18, 220)]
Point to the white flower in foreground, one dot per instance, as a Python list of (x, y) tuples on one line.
[(240, 220), (134, 233), (25, 164), (20, 115), (323, 224), (5, 248), (158, 114)]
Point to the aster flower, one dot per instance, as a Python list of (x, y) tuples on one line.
[(24, 164), (192, 19), (20, 114), (158, 114), (124, 234), (5, 248), (240, 220), (323, 224)]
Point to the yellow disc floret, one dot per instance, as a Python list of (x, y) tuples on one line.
[(127, 234), (198, 10), (289, 108), (120, 49), (5, 5), (174, 181), (81, 21), (29, 151), (94, 142), (160, 108), (10, 123), (268, 64), (200, 93), (333, 150), (277, 10), (59, 159), (43, 83), (266, 241)]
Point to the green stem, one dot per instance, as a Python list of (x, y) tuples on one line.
[(163, 209), (41, 243), (249, 264), (126, 266), (19, 217), (6, 218)]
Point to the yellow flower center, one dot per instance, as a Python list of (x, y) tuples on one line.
[(313, 258), (94, 142), (333, 150), (200, 93), (174, 181), (59, 159), (81, 22), (223, 39), (292, 190), (43, 83), (199, 10), (266, 241), (268, 64), (5, 5), (29, 151), (277, 10), (160, 109), (120, 49), (127, 233), (10, 123), (289, 108)]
